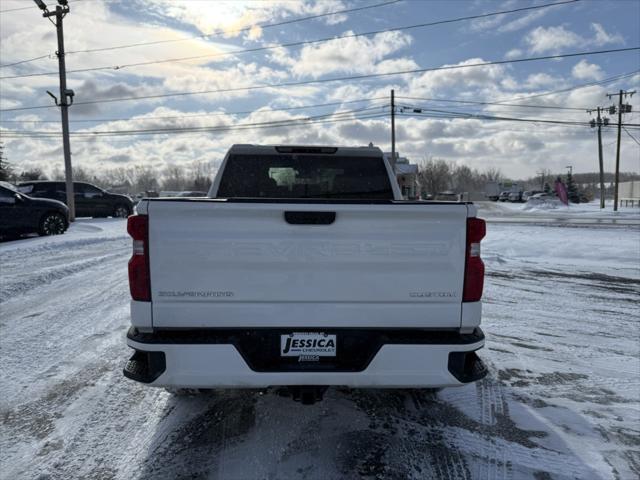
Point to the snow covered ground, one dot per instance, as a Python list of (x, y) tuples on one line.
[(561, 400), (555, 212)]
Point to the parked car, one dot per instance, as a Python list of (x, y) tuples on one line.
[(504, 196), (20, 213), (544, 196), (90, 200), (547, 199), (529, 193), (448, 196), (312, 272), (515, 197)]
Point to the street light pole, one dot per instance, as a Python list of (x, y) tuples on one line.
[(66, 98)]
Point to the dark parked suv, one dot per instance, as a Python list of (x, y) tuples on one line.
[(20, 213), (90, 200)]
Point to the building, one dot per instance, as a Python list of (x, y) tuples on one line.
[(629, 192), (406, 174)]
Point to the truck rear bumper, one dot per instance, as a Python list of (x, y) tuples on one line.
[(211, 360)]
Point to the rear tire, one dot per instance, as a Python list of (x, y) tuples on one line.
[(52, 223), (121, 211)]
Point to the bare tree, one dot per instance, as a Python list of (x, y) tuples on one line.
[(464, 179), (146, 179), (120, 177), (6, 170), (201, 176), (32, 174), (174, 178), (434, 176), (82, 175), (492, 175)]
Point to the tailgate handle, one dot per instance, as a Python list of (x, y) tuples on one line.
[(310, 218)]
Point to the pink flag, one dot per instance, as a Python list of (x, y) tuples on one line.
[(561, 191)]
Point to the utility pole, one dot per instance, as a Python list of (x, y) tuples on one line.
[(393, 127), (66, 97), (599, 121), (542, 178), (621, 109)]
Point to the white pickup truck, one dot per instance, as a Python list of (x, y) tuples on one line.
[(305, 268)]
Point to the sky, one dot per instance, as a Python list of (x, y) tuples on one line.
[(317, 109)]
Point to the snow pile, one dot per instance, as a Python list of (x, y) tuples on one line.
[(557, 209), (533, 205)]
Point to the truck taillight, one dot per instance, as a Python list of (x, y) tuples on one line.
[(139, 278), (474, 268)]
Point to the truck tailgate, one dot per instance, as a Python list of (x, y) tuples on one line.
[(241, 264)]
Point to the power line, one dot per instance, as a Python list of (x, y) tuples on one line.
[(31, 7), (201, 128), (140, 138), (283, 123), (343, 117), (24, 61), (336, 79), (246, 112), (358, 114), (634, 138), (588, 84), (239, 30), (449, 100), (158, 42), (472, 116), (612, 79), (284, 45)]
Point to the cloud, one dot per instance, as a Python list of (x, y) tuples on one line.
[(519, 149), (556, 39), (513, 53), (584, 70), (488, 23), (91, 90), (551, 39), (604, 38), (522, 22), (234, 16), (348, 55), (541, 79), (503, 24), (487, 76)]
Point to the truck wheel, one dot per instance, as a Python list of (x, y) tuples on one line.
[(121, 211), (52, 224)]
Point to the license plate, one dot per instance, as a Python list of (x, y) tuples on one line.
[(304, 344)]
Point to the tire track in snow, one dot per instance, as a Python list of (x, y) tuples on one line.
[(48, 333), (29, 252), (45, 276)]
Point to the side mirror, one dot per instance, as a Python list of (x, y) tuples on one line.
[(18, 198)]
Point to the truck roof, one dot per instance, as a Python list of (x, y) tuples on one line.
[(368, 151)]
